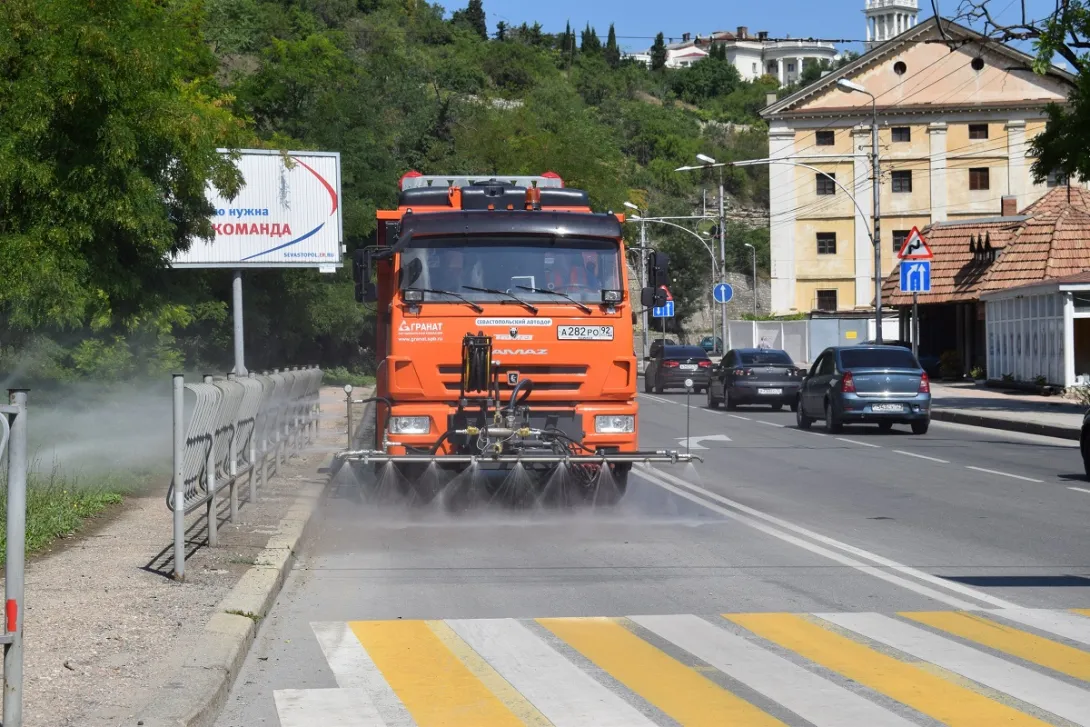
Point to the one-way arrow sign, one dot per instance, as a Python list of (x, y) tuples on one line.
[(694, 442)]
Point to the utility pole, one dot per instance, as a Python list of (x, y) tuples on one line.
[(722, 260), (643, 280), (875, 184)]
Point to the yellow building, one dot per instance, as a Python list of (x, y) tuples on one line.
[(954, 125)]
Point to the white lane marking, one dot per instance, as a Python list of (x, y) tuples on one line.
[(921, 456), (561, 691), (810, 431), (327, 707), (1079, 489), (695, 442), (353, 669), (1068, 625), (655, 398), (859, 552), (735, 416), (1002, 474), (861, 444), (805, 545), (1032, 687), (771, 424), (819, 701)]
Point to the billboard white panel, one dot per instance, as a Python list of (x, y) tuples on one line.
[(282, 218)]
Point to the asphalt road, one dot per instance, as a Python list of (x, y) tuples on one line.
[(403, 615)]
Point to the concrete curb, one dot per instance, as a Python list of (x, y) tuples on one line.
[(1010, 425), (197, 694)]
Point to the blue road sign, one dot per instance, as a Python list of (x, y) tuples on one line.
[(666, 311), (722, 293), (916, 276)]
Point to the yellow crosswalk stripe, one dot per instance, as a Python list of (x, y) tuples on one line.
[(430, 680), (906, 683), (676, 689), (973, 627), (1081, 611)]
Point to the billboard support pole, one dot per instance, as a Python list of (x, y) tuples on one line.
[(240, 351)]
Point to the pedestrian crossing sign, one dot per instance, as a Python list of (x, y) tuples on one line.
[(915, 247)]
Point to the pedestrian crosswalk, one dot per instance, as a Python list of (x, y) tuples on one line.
[(979, 669)]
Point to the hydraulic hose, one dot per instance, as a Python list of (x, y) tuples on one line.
[(527, 384)]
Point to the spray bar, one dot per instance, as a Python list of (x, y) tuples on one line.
[(658, 456)]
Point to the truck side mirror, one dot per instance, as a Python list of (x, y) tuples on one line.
[(653, 297), (366, 290)]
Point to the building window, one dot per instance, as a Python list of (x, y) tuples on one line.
[(825, 138), (1056, 179), (899, 237), (826, 300), (902, 181), (978, 178), (791, 67), (825, 183), (978, 131), (902, 133), (826, 243), (754, 68)]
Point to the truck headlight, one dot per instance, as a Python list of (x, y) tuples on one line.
[(410, 425), (615, 424)]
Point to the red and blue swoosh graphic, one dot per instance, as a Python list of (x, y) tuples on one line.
[(333, 209)]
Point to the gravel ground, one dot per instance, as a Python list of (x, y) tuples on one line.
[(103, 617)]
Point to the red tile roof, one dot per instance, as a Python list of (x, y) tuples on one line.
[(1049, 239)]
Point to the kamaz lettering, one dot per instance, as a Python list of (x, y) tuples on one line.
[(521, 352)]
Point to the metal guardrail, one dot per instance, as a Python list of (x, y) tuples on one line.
[(238, 427), (13, 441)]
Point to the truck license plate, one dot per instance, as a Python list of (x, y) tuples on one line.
[(584, 333), (773, 392), (888, 407)]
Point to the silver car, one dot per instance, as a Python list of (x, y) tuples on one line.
[(882, 385)]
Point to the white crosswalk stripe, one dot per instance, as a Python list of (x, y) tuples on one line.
[(652, 669)]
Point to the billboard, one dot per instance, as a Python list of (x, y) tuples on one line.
[(287, 215)]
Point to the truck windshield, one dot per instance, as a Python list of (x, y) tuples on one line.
[(580, 268)]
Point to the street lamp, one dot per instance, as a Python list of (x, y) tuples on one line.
[(849, 87), (707, 163), (754, 251), (642, 272)]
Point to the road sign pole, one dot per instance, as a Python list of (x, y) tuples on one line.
[(915, 324)]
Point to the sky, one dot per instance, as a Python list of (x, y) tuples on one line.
[(637, 21)]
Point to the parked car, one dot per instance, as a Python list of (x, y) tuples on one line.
[(858, 384), (712, 344), (672, 365), (1084, 444), (755, 376), (928, 362)]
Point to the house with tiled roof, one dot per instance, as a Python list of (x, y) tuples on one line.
[(1001, 289)]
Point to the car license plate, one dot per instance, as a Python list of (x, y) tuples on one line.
[(773, 392), (689, 367), (584, 333), (888, 407)]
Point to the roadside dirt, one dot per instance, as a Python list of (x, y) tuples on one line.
[(103, 614)]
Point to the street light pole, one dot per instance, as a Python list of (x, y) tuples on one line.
[(849, 86), (642, 274)]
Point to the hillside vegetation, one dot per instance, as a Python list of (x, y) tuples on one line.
[(113, 107)]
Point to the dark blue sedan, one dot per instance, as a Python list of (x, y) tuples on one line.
[(882, 385)]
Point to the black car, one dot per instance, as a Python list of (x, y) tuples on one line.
[(1084, 444), (755, 376), (672, 365), (658, 343)]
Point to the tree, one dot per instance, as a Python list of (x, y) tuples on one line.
[(707, 78), (1064, 145), (658, 53), (110, 123), (613, 52), (589, 42), (501, 31), (472, 17)]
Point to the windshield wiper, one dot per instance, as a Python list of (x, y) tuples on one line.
[(467, 301), (512, 296), (546, 291)]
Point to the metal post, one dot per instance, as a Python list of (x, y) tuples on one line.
[(876, 185), (210, 481), (252, 454), (643, 280), (722, 259), (348, 402), (240, 349), (753, 250), (178, 382), (232, 463), (14, 566), (915, 324)]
